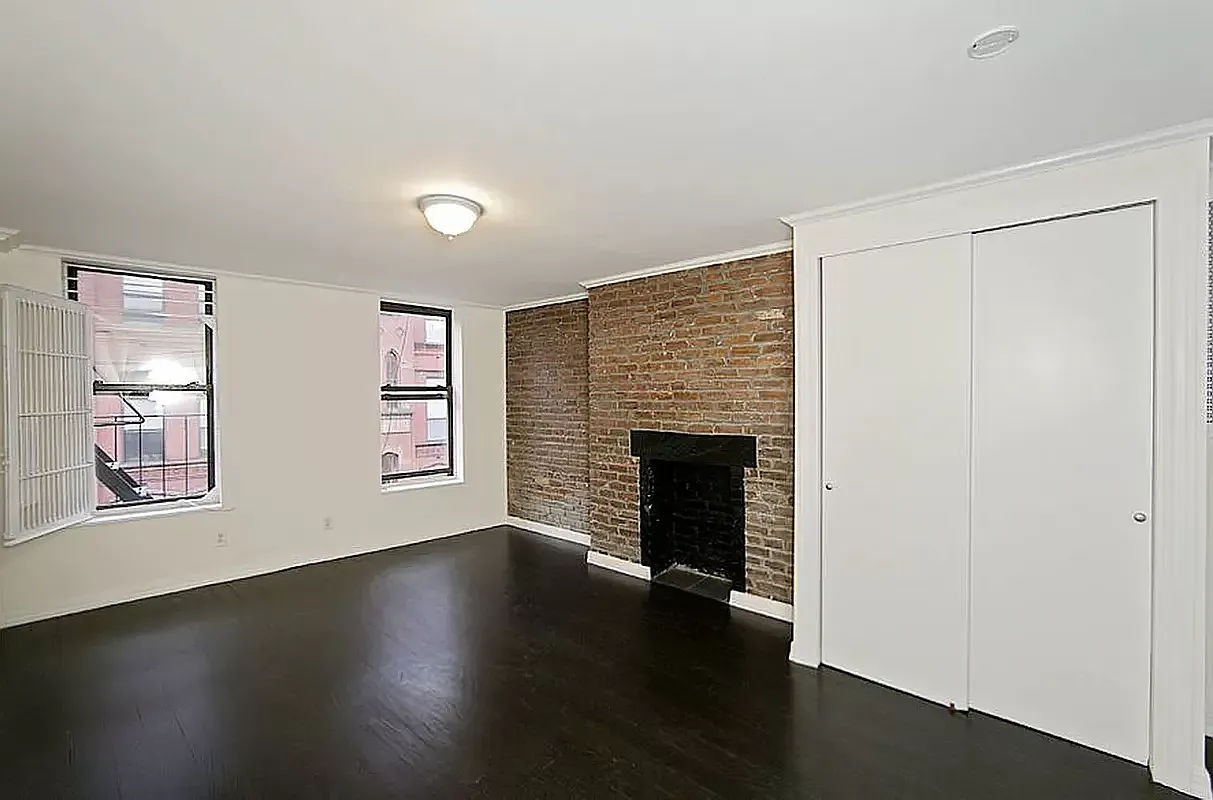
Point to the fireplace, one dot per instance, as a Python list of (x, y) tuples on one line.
[(692, 508)]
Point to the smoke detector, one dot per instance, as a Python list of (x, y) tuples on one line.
[(993, 42)]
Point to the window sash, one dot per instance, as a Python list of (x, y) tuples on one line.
[(204, 388), (449, 469), (72, 270)]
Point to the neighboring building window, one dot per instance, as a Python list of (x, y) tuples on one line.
[(391, 368), (142, 297), (435, 429), (142, 444), (435, 417), (416, 401), (153, 414), (435, 331)]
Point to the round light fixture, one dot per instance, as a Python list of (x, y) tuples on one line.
[(450, 214), (994, 42)]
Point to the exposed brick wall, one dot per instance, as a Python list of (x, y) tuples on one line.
[(703, 351), (546, 415)]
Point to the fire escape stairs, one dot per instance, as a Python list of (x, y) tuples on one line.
[(115, 478)]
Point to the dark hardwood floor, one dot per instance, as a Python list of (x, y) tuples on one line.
[(491, 665)]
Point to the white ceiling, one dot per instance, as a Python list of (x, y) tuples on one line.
[(291, 139)]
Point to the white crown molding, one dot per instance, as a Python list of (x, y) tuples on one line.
[(102, 259), (1159, 138), (551, 301), (10, 239), (544, 529), (693, 263)]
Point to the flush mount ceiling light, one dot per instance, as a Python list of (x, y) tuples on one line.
[(450, 214), (994, 42)]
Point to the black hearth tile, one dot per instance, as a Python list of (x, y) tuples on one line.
[(678, 577), (712, 587), (689, 580)]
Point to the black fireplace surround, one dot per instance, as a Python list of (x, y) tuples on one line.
[(692, 501)]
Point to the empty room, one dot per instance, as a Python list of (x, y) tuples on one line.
[(566, 400)]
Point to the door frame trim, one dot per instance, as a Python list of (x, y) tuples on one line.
[(1175, 178)]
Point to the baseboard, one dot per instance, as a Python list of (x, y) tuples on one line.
[(549, 530), (79, 606), (630, 568), (803, 655), (1200, 786), (761, 605)]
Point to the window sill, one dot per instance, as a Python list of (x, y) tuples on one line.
[(423, 482), (127, 514)]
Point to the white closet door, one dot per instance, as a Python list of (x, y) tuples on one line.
[(1063, 332), (895, 458)]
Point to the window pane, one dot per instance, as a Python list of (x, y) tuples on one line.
[(150, 448), (148, 330), (411, 343), (395, 435), (408, 441)]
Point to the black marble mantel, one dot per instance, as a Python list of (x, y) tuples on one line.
[(723, 450)]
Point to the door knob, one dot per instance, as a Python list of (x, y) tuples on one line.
[(1139, 517), (829, 487)]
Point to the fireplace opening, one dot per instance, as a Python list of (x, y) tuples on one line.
[(692, 509)]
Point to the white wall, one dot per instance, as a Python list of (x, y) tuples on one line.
[(298, 430)]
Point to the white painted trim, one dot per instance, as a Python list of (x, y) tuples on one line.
[(693, 263), (1160, 138), (420, 482), (551, 301), (549, 530), (186, 270), (1175, 177), (761, 605), (629, 568), (93, 603), (172, 509), (746, 602)]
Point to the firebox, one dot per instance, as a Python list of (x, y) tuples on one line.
[(692, 505)]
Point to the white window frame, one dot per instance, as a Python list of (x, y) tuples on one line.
[(431, 390)]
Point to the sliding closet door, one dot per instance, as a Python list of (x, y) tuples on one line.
[(895, 458), (1063, 332)]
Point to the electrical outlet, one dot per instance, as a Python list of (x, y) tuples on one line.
[(328, 523), (221, 539)]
